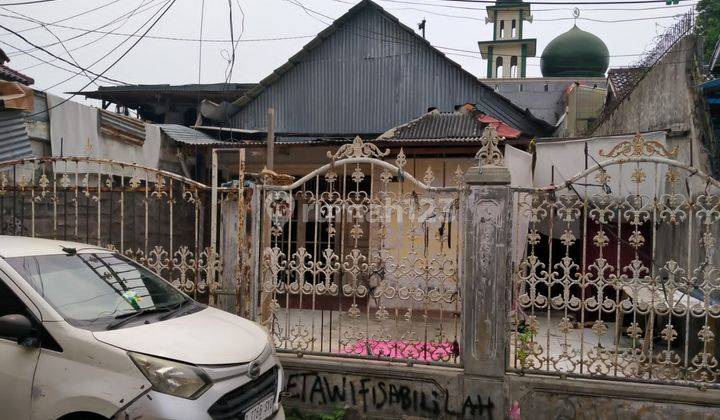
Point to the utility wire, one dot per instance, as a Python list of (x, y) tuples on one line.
[(59, 67), (228, 72), (113, 63), (493, 2), (610, 21), (202, 20), (108, 53), (170, 38), (477, 53), (231, 59), (582, 9), (386, 38), (61, 43), (48, 52), (85, 32), (70, 17), (100, 38), (20, 3)]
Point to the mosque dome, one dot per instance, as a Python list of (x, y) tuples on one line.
[(575, 53)]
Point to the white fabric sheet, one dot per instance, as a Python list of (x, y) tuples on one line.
[(519, 163), (568, 159)]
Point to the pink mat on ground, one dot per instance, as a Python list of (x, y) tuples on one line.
[(397, 349)]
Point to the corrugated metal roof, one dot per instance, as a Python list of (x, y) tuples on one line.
[(365, 73), (439, 125), (14, 140), (623, 80), (187, 135), (113, 123), (193, 87), (462, 126), (133, 94)]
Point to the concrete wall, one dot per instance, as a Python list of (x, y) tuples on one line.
[(554, 398), (542, 96), (371, 389), (665, 99)]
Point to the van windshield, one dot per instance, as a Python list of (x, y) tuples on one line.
[(93, 290)]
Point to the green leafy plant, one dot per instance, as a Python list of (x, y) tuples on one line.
[(525, 338), (708, 23)]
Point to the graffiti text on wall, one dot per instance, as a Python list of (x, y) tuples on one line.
[(372, 394)]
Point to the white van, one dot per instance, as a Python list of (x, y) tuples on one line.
[(88, 334)]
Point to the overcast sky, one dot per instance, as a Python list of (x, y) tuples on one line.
[(449, 24)]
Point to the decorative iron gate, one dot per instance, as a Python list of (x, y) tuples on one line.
[(620, 276), (152, 216), (361, 260)]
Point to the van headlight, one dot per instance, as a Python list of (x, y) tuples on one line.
[(173, 378)]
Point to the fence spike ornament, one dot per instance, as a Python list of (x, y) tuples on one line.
[(358, 149), (489, 153), (638, 147)]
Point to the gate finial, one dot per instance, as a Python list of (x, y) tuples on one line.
[(358, 149), (490, 154)]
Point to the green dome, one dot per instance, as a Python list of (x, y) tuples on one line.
[(575, 53)]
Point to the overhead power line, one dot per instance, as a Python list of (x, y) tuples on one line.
[(70, 17), (202, 20), (384, 37), (43, 61), (171, 38), (126, 16), (609, 20), (137, 41), (582, 9), (48, 52), (98, 39), (20, 3), (574, 3), (112, 50), (481, 19)]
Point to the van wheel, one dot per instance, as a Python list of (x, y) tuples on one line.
[(83, 415)]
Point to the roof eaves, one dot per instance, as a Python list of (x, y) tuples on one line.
[(15, 75)]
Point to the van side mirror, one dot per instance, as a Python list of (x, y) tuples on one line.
[(15, 326)]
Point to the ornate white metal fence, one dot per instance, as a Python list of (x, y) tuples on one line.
[(361, 260), (620, 273)]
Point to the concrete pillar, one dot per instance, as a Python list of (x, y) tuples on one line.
[(487, 214), (486, 225)]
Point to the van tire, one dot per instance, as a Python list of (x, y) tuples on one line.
[(82, 415)]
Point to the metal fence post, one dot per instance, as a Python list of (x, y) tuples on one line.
[(487, 227)]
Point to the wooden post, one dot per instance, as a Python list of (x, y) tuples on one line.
[(270, 139)]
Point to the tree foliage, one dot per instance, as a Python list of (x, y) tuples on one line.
[(708, 23)]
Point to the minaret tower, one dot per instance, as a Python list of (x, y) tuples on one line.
[(507, 53)]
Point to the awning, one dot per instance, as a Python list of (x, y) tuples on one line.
[(187, 135)]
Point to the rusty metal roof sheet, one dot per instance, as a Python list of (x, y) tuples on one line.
[(462, 126), (127, 128), (622, 80), (6, 73), (14, 139), (132, 95), (187, 135)]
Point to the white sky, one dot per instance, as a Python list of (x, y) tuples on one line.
[(176, 62)]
